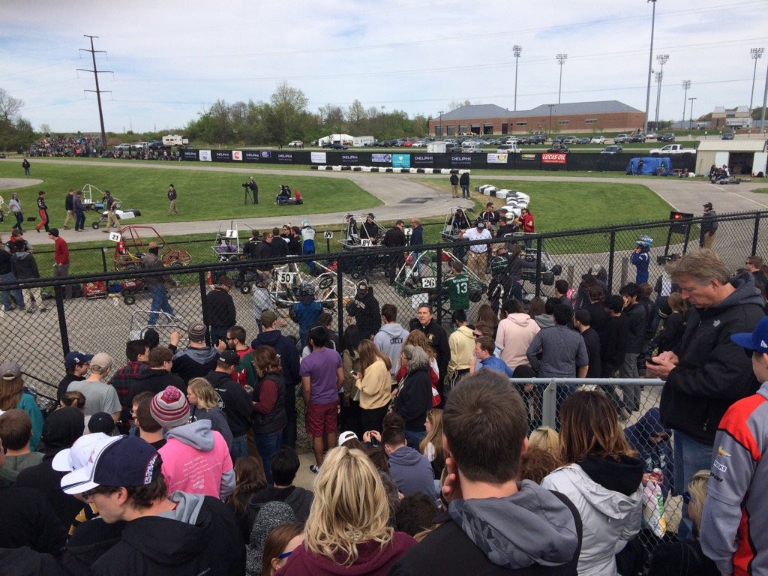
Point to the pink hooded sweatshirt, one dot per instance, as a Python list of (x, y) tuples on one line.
[(514, 335)]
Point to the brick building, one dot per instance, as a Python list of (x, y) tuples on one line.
[(572, 118)]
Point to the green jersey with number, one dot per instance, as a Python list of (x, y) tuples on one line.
[(458, 291)]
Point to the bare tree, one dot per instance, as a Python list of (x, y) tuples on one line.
[(454, 104), (45, 128), (9, 106)]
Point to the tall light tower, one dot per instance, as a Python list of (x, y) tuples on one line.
[(690, 125), (661, 59), (561, 58), (686, 85), (650, 69), (755, 54), (517, 50)]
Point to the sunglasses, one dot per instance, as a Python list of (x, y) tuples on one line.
[(687, 497)]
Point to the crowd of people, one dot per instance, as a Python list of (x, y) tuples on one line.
[(65, 146), (427, 459)]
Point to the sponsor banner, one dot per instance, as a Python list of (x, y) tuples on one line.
[(189, 154), (401, 160), (205, 156), (349, 159), (553, 158), (423, 160), (266, 154), (285, 157), (222, 155), (251, 156), (528, 157), (381, 158), (464, 160), (317, 157), (497, 158), (237, 155)]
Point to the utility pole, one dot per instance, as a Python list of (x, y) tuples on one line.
[(690, 125), (550, 117), (98, 91), (441, 122), (755, 54), (650, 68), (765, 97), (686, 85), (516, 50), (661, 59), (561, 58)]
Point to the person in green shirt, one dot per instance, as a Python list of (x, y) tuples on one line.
[(458, 287)]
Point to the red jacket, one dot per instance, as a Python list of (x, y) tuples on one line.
[(61, 254), (527, 222)]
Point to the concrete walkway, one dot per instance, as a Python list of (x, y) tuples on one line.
[(409, 195)]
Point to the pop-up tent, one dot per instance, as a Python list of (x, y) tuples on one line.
[(651, 166)]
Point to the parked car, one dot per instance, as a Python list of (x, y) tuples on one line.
[(727, 136), (599, 139), (335, 146), (569, 140), (667, 137), (637, 137), (651, 136), (612, 149), (620, 139), (419, 144), (156, 145), (296, 144), (562, 148), (583, 140)]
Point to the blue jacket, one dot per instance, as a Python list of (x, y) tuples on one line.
[(641, 262), (494, 363), (412, 472), (417, 236), (286, 348)]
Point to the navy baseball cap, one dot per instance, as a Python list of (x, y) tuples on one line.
[(756, 341), (74, 358), (129, 462)]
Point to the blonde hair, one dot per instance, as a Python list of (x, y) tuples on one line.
[(350, 507), (418, 338), (676, 303), (435, 436), (545, 438), (369, 353), (702, 266), (698, 491), (206, 395)]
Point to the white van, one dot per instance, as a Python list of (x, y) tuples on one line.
[(470, 147)]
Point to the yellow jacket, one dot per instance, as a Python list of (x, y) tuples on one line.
[(375, 386), (462, 345)]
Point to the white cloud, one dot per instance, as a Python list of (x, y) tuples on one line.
[(172, 60)]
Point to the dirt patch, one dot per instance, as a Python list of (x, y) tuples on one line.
[(11, 183)]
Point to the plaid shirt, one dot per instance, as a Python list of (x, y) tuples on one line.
[(122, 381)]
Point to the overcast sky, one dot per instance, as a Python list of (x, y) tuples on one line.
[(171, 59)]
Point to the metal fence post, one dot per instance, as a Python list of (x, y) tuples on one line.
[(549, 406), (340, 294), (756, 233), (569, 276), (201, 277), (539, 246), (104, 258), (611, 255), (624, 270), (58, 293), (439, 271)]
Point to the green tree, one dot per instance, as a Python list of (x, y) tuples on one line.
[(287, 114)]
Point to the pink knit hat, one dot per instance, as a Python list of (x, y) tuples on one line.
[(170, 408)]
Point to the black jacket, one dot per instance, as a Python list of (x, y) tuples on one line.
[(24, 266), (154, 545), (194, 362), (367, 313), (220, 309), (464, 179), (89, 542), (592, 342), (414, 399), (28, 520), (69, 202), (636, 320), (613, 341), (6, 267), (713, 372), (393, 238), (286, 348), (237, 403), (278, 246), (48, 481), (438, 339), (299, 499), (154, 381)]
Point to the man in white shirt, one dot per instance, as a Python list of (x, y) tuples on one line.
[(477, 255)]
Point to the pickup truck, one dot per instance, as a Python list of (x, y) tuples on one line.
[(672, 149)]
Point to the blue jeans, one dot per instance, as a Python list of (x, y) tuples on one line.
[(5, 295), (19, 219), (414, 438), (267, 445), (239, 447), (79, 220), (465, 191), (159, 304), (309, 248), (690, 456)]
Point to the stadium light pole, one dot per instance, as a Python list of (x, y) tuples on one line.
[(661, 59), (755, 54), (561, 58), (517, 50), (650, 68), (686, 85), (690, 124)]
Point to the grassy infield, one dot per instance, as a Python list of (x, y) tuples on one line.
[(556, 205)]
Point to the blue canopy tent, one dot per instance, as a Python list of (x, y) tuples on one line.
[(652, 165)]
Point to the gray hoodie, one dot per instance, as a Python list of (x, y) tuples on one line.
[(550, 537), (390, 341), (200, 436)]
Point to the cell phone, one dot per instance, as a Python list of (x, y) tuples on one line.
[(354, 373)]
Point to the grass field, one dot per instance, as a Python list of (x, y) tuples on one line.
[(203, 195)]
